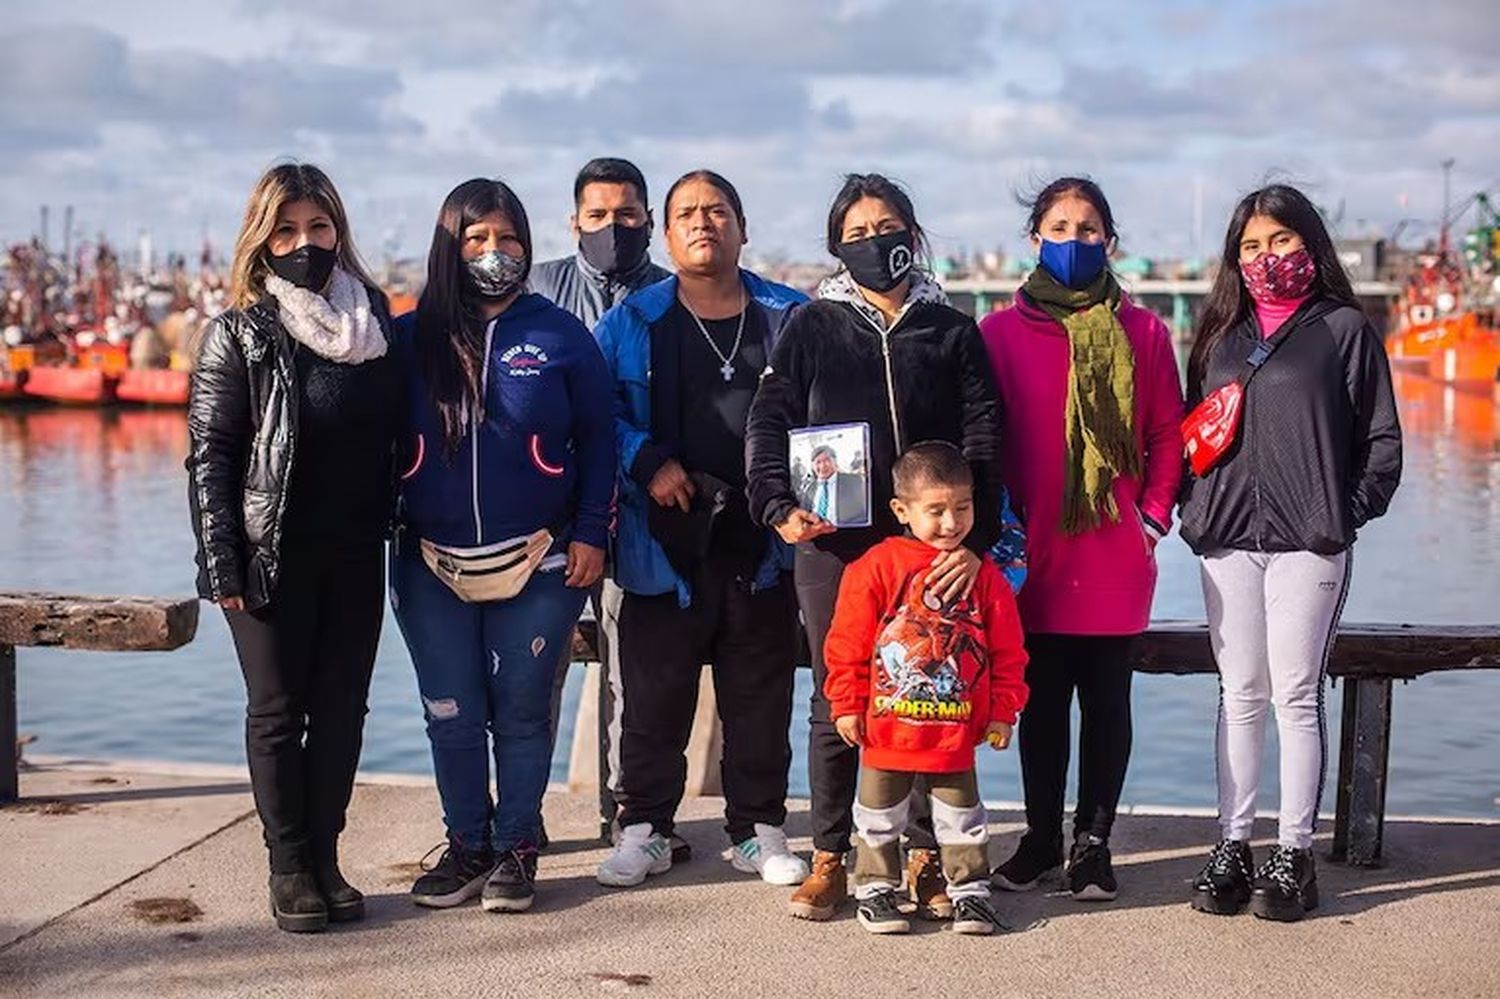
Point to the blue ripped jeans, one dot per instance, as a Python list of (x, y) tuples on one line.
[(485, 674)]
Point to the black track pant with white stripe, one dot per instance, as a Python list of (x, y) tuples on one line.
[(1272, 617)]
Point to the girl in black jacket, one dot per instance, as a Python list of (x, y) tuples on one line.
[(292, 423), (1317, 455), (881, 346)]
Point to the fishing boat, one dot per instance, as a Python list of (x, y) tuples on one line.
[(156, 387), (1445, 319), (70, 386)]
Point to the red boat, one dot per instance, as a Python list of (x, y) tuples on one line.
[(154, 387), (72, 386)]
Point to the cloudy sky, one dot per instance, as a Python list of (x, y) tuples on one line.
[(162, 114)]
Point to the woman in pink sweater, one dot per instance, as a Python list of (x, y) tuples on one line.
[(1092, 457)]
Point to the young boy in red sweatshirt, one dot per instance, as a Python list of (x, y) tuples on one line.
[(917, 684)]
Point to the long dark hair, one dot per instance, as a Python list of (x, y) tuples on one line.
[(450, 329), (881, 188), (1228, 303)]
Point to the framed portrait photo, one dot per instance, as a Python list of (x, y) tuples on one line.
[(830, 474)]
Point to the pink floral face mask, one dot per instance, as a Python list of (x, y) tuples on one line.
[(1269, 277)]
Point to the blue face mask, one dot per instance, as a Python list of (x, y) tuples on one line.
[(1074, 263)]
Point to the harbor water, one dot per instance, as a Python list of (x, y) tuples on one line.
[(96, 502)]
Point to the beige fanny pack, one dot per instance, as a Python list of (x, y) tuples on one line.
[(480, 575)]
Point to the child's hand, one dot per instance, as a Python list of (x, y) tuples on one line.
[(851, 729), (997, 735)]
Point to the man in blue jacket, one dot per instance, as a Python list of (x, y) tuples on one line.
[(703, 582)]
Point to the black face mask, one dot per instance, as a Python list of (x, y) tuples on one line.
[(306, 267), (879, 262), (615, 249)]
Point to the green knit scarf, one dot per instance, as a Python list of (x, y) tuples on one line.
[(1100, 415)]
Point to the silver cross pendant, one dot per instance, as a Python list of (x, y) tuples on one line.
[(727, 371)]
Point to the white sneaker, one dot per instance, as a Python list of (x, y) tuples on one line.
[(767, 854), (639, 852)]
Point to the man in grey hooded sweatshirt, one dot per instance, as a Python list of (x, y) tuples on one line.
[(612, 226)]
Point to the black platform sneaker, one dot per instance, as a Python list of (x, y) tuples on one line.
[(1286, 886), (1223, 886)]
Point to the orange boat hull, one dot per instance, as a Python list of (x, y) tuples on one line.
[(154, 387), (1472, 362), (73, 386)]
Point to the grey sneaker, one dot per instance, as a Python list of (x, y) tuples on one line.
[(881, 913), (975, 915), (512, 885)]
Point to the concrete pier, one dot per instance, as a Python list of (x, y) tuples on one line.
[(86, 846)]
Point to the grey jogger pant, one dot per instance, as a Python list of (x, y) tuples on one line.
[(1272, 617)]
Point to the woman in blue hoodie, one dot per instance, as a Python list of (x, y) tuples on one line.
[(507, 498)]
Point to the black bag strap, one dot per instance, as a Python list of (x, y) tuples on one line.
[(1267, 346)]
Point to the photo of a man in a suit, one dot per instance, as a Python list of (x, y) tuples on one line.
[(840, 497)]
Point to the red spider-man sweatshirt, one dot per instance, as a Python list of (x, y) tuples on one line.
[(928, 678)]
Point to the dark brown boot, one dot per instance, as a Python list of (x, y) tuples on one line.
[(926, 885), (825, 889)]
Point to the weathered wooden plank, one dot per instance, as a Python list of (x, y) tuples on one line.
[(1402, 651), (1368, 750), (10, 751), (1398, 651), (99, 624)]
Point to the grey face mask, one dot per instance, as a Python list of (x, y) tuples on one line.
[(496, 274)]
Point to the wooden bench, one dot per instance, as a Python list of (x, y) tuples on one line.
[(97, 624), (1366, 659)]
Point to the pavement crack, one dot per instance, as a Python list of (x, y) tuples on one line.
[(121, 884)]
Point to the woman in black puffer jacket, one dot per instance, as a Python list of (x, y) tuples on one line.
[(292, 423), (882, 347)]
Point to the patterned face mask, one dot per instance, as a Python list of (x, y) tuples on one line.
[(1269, 277), (495, 274)]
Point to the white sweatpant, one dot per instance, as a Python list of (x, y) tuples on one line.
[(1272, 617)]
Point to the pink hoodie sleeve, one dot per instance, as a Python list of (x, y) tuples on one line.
[(1161, 411)]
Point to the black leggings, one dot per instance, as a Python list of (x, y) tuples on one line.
[(832, 764), (1098, 668), (307, 659)]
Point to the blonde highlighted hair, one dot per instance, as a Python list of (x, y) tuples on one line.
[(278, 186)]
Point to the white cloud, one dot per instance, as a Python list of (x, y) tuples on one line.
[(165, 121)]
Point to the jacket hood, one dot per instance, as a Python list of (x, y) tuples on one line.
[(840, 287)]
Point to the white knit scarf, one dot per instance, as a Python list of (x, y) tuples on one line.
[(340, 327)]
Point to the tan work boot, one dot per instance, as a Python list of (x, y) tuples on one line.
[(926, 885), (824, 890)]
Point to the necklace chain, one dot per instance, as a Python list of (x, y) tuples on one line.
[(726, 367)]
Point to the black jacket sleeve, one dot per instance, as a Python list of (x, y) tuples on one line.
[(780, 406), (1376, 471), (219, 432), (981, 440)]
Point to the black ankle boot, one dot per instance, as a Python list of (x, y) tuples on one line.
[(1223, 886), (345, 902), (297, 904), (1286, 886)]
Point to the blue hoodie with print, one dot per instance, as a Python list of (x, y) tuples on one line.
[(543, 452)]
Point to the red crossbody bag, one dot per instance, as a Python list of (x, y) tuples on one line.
[(1211, 429)]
